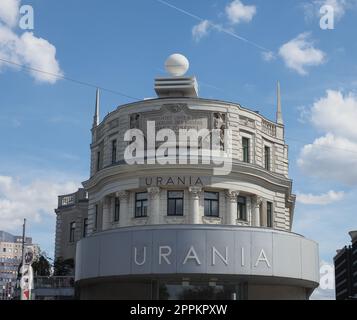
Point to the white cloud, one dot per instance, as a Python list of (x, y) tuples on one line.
[(336, 113), (31, 200), (9, 12), (268, 56), (322, 199), (312, 8), (201, 30), (330, 158), (26, 49), (334, 155), (300, 53), (237, 12)]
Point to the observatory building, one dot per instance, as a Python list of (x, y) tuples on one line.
[(165, 226)]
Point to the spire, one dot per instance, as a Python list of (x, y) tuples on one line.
[(96, 114), (279, 115)]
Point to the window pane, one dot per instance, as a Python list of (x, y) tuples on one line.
[(171, 207), (211, 195), (138, 210), (215, 210), (269, 215), (175, 194), (267, 158), (245, 145), (141, 196), (207, 208), (179, 207)]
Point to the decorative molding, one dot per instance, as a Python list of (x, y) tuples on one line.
[(232, 195), (195, 191), (154, 193), (123, 195)]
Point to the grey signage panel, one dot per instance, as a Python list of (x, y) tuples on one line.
[(308, 258), (286, 256), (220, 252), (191, 251), (164, 252), (243, 260), (112, 252), (197, 250), (90, 256), (141, 246), (262, 253)]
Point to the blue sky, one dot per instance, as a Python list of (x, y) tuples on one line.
[(122, 45)]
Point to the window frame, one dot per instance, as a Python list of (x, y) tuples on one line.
[(267, 155), (72, 229), (114, 151), (210, 214), (242, 216), (85, 228), (142, 214), (98, 161), (175, 203), (270, 215), (246, 149), (96, 213), (116, 209)]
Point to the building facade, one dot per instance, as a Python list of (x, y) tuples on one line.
[(160, 227), (71, 223), (10, 260), (345, 263)]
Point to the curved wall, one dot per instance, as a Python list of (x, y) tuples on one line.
[(199, 250)]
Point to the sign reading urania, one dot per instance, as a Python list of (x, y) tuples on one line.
[(174, 180), (165, 253)]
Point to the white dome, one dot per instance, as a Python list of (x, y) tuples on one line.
[(177, 65)]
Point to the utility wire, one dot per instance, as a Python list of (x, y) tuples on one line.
[(138, 99), (59, 76), (215, 26)]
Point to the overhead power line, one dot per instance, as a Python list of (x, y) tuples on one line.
[(215, 26), (59, 76)]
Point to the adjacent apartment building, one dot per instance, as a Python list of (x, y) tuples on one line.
[(346, 270), (10, 259)]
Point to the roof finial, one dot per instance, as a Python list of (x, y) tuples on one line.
[(96, 113), (279, 115)]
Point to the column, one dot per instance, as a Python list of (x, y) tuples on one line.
[(195, 217), (231, 207), (154, 205), (256, 215), (106, 213), (124, 214)]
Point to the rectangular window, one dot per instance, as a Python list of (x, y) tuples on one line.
[(242, 208), (114, 151), (211, 204), (96, 213), (175, 203), (116, 209), (269, 215), (141, 204), (85, 227), (245, 145), (98, 160), (72, 229), (267, 158)]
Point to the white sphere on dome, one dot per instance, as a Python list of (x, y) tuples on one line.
[(177, 65)]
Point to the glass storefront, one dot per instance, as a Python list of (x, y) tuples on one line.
[(200, 291)]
